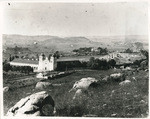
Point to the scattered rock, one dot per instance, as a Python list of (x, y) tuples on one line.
[(128, 114), (142, 101), (117, 77), (42, 85), (112, 115), (77, 94), (6, 89), (135, 96), (121, 67), (127, 69), (104, 105), (33, 105), (83, 84), (57, 84), (134, 79), (28, 93), (112, 91), (61, 73), (124, 82), (128, 93)]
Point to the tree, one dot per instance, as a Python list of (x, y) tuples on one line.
[(112, 62), (103, 64), (6, 67), (99, 48), (75, 50), (137, 62), (91, 62), (15, 50), (97, 63), (49, 56), (57, 54), (29, 69), (102, 51), (128, 50), (145, 53), (16, 56), (84, 64)]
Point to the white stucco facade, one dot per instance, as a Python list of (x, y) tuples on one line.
[(44, 64), (23, 64)]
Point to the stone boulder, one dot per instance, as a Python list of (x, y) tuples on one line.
[(126, 82), (117, 77), (6, 89), (83, 84), (37, 104), (42, 85), (106, 78)]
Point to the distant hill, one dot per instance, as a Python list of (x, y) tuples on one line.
[(46, 43), (22, 40), (117, 42)]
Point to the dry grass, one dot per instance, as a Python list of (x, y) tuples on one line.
[(107, 99)]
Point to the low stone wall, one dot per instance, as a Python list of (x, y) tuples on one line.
[(31, 80), (60, 74)]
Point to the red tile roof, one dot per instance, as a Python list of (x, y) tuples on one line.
[(25, 61)]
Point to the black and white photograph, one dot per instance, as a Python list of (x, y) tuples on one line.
[(75, 59)]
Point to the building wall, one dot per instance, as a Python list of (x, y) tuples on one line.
[(23, 64), (46, 65), (34, 66), (53, 64), (42, 66)]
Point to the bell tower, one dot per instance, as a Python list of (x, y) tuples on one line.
[(41, 62)]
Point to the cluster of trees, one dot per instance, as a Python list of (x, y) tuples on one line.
[(137, 62), (22, 69), (11, 58), (91, 51), (145, 53), (85, 49), (102, 51), (61, 66), (57, 54), (128, 50), (98, 64), (143, 63)]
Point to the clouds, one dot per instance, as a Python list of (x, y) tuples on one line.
[(75, 19)]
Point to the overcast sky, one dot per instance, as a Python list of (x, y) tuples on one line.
[(76, 19)]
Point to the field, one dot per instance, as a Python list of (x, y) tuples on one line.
[(107, 99)]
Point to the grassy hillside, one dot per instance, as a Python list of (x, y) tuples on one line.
[(47, 43), (105, 100)]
